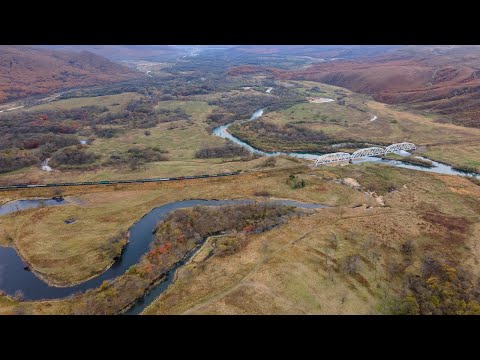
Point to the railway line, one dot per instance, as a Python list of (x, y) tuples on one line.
[(113, 182)]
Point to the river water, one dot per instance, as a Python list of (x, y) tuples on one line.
[(222, 131), (18, 205), (14, 277)]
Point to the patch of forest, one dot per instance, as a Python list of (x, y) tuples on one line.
[(271, 137), (29, 137)]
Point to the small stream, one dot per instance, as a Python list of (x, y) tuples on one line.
[(14, 277), (222, 131)]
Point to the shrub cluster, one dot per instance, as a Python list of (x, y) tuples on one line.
[(227, 150)]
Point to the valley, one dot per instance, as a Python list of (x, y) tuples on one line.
[(281, 236)]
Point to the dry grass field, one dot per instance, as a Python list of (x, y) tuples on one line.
[(298, 267)]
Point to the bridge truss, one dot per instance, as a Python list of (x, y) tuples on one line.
[(370, 151), (400, 146), (334, 157)]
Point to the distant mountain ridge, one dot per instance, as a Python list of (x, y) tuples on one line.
[(122, 52), (26, 71), (318, 51)]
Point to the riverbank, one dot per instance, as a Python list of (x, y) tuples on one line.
[(414, 160), (417, 163), (318, 189), (26, 251), (303, 268), (141, 270)]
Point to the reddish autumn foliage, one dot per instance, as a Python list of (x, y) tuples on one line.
[(181, 238), (248, 228), (146, 269), (156, 252), (163, 249), (446, 83), (26, 71), (31, 144)]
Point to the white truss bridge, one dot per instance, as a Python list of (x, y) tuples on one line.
[(371, 151)]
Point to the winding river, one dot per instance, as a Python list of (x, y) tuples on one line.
[(14, 277), (222, 131)]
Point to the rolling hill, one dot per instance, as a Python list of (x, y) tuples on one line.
[(315, 51), (122, 52), (26, 71), (441, 79)]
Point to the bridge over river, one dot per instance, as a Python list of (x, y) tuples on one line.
[(370, 151)]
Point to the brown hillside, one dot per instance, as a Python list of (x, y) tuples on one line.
[(412, 77), (26, 71), (120, 52), (445, 80)]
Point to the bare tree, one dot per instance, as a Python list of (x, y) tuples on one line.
[(334, 241), (407, 248), (350, 264), (375, 258), (19, 295)]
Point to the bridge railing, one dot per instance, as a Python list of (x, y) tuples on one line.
[(334, 157), (370, 151), (400, 146)]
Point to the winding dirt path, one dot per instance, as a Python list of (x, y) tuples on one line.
[(246, 279)]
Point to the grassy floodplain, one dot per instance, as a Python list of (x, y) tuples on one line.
[(455, 145), (394, 205)]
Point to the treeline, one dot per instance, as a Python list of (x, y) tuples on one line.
[(227, 150), (14, 160), (270, 136), (28, 137), (442, 288), (31, 136), (136, 85), (173, 115), (141, 114), (72, 157), (33, 150), (244, 105), (137, 157), (25, 129), (174, 84), (199, 222), (219, 117)]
